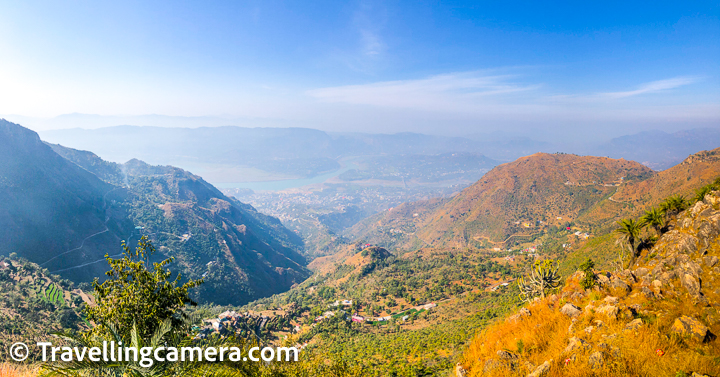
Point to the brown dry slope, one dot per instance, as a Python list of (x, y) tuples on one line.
[(682, 179), (525, 196), (513, 197)]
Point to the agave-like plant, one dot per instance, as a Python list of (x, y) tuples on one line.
[(674, 205), (700, 194), (543, 277), (655, 218), (629, 231)]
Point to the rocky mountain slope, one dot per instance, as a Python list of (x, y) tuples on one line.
[(50, 206), (660, 317), (65, 209)]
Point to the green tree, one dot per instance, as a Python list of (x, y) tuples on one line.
[(135, 295)]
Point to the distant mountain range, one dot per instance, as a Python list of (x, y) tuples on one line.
[(237, 154), (661, 150), (65, 209)]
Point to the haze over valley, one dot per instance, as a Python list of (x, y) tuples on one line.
[(359, 189)]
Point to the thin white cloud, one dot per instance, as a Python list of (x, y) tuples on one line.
[(653, 87), (450, 92), (371, 43)]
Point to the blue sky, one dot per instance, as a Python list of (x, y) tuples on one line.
[(374, 66)]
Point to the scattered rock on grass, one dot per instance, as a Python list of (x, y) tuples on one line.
[(542, 370), (689, 327), (571, 310), (634, 324), (596, 360)]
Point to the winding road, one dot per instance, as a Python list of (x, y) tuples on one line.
[(82, 244)]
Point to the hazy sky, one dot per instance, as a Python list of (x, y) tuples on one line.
[(374, 66)]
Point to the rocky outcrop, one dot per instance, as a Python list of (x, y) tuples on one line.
[(607, 324), (541, 370), (688, 327)]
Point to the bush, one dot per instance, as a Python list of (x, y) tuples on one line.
[(589, 280)]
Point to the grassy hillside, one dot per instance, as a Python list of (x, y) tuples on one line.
[(660, 318), (35, 303)]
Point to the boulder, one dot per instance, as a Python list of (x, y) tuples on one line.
[(711, 260), (688, 327), (618, 283), (523, 312), (596, 360), (611, 300), (691, 284), (603, 280), (691, 268), (611, 311), (541, 370), (505, 355), (575, 344), (640, 272), (650, 295), (628, 275), (634, 324), (571, 310), (460, 371)]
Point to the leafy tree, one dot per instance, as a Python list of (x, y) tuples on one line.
[(543, 277), (135, 295)]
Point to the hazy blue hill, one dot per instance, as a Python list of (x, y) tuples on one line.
[(661, 150), (107, 171), (400, 144), (49, 205), (298, 152), (292, 151), (241, 253)]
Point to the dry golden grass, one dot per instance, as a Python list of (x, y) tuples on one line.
[(14, 370), (544, 336)]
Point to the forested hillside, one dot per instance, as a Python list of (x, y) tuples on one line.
[(66, 212)]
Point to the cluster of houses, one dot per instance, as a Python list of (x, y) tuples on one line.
[(495, 287), (581, 235), (229, 322), (360, 319)]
